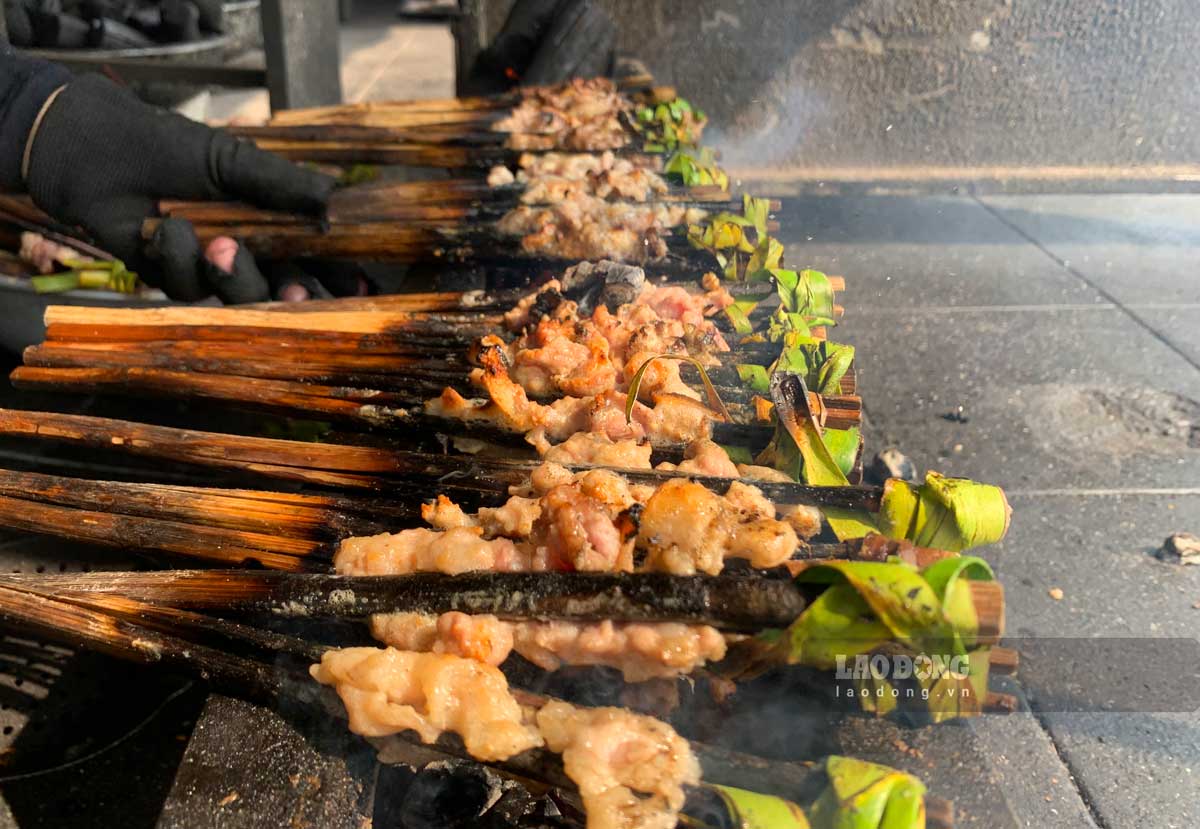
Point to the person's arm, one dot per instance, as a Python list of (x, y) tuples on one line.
[(91, 154)]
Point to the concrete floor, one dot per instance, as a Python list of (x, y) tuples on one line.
[(1066, 330)]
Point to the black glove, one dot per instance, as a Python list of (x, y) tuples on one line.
[(101, 159)]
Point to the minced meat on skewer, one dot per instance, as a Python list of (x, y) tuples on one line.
[(582, 114), (674, 418), (551, 177), (582, 226), (592, 360), (568, 521), (630, 769), (641, 651), (387, 691)]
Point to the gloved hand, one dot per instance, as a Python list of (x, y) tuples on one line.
[(101, 159)]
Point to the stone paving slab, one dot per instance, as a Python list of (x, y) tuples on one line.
[(1064, 392), (1047, 400)]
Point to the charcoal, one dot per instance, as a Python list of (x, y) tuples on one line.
[(20, 29), (450, 795), (180, 22), (212, 15)]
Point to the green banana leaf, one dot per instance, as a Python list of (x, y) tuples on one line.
[(896, 594), (860, 795), (752, 810), (946, 513), (669, 124), (798, 449), (891, 608), (864, 795), (807, 293), (696, 167)]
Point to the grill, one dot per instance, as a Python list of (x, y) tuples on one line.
[(223, 762)]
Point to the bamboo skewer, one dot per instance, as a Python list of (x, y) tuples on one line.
[(126, 531), (274, 529), (305, 517), (734, 604), (357, 466), (367, 408), (412, 380)]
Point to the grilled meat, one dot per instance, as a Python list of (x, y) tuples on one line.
[(630, 769), (387, 691), (581, 114), (640, 651)]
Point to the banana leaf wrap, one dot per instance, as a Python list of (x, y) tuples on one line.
[(947, 513), (823, 364), (890, 608), (696, 168), (860, 795), (669, 124)]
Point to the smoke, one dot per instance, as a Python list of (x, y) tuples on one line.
[(773, 124)]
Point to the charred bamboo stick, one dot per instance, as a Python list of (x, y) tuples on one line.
[(26, 220), (278, 360), (415, 155), (427, 340), (351, 406), (363, 466), (127, 531), (734, 604), (230, 636), (411, 380), (347, 322), (464, 133), (313, 463), (344, 404), (82, 626), (277, 514)]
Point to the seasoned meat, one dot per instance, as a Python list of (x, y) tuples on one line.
[(499, 176), (552, 177), (387, 691), (640, 651), (483, 638), (589, 448), (582, 114), (630, 769), (457, 550), (703, 457), (685, 529), (583, 226)]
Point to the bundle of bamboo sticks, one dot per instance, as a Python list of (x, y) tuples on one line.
[(455, 133), (269, 667), (298, 531), (371, 367)]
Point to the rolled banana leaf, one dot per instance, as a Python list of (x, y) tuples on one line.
[(946, 513), (860, 795), (923, 621)]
